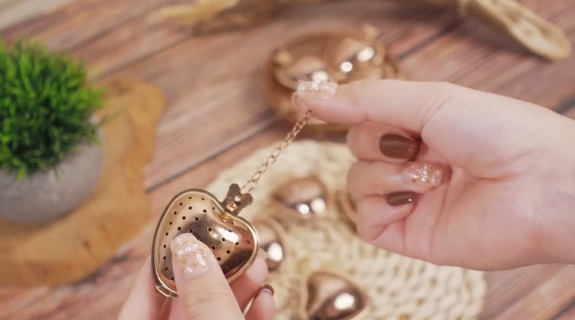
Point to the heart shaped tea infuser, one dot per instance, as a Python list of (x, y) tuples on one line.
[(329, 296), (233, 240)]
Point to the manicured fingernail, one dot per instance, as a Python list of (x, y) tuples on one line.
[(266, 289), (321, 89), (400, 198), (189, 256), (422, 174), (312, 90), (398, 147)]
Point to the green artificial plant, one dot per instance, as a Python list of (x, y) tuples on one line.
[(47, 107)]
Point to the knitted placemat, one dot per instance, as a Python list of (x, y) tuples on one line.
[(399, 287)]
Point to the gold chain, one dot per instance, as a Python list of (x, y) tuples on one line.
[(253, 182)]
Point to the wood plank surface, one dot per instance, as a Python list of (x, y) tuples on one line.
[(216, 115), (13, 11)]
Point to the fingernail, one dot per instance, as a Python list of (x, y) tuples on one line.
[(400, 198), (316, 89), (267, 289), (398, 147), (189, 256), (422, 174)]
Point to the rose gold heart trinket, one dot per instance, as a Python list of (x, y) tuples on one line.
[(327, 295), (233, 240), (305, 197), (341, 56), (271, 237)]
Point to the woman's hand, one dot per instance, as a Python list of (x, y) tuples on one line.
[(203, 291), (455, 176)]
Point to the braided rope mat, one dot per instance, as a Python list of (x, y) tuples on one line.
[(399, 288)]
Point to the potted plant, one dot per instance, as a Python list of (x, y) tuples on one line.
[(51, 154)]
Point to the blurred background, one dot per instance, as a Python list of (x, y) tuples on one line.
[(190, 92)]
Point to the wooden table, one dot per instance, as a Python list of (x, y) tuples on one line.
[(216, 115)]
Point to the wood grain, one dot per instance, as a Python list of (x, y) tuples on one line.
[(12, 11), (537, 293), (216, 115), (78, 22), (474, 59), (125, 33)]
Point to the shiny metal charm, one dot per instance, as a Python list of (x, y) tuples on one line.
[(306, 197), (341, 56), (233, 240), (271, 236), (358, 55), (329, 296)]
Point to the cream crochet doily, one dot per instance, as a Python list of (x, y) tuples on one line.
[(399, 288)]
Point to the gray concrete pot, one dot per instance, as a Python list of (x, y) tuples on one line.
[(49, 195)]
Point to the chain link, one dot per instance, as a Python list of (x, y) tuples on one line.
[(253, 181)]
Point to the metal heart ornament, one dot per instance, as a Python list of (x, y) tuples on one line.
[(272, 241), (305, 197), (233, 240), (329, 296)]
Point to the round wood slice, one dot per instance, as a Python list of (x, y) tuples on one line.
[(74, 247)]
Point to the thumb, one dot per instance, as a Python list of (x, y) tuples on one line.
[(402, 104), (203, 290)]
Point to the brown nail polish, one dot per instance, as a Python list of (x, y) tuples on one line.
[(398, 147), (400, 198)]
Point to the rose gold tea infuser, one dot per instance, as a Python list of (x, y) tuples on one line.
[(233, 240)]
